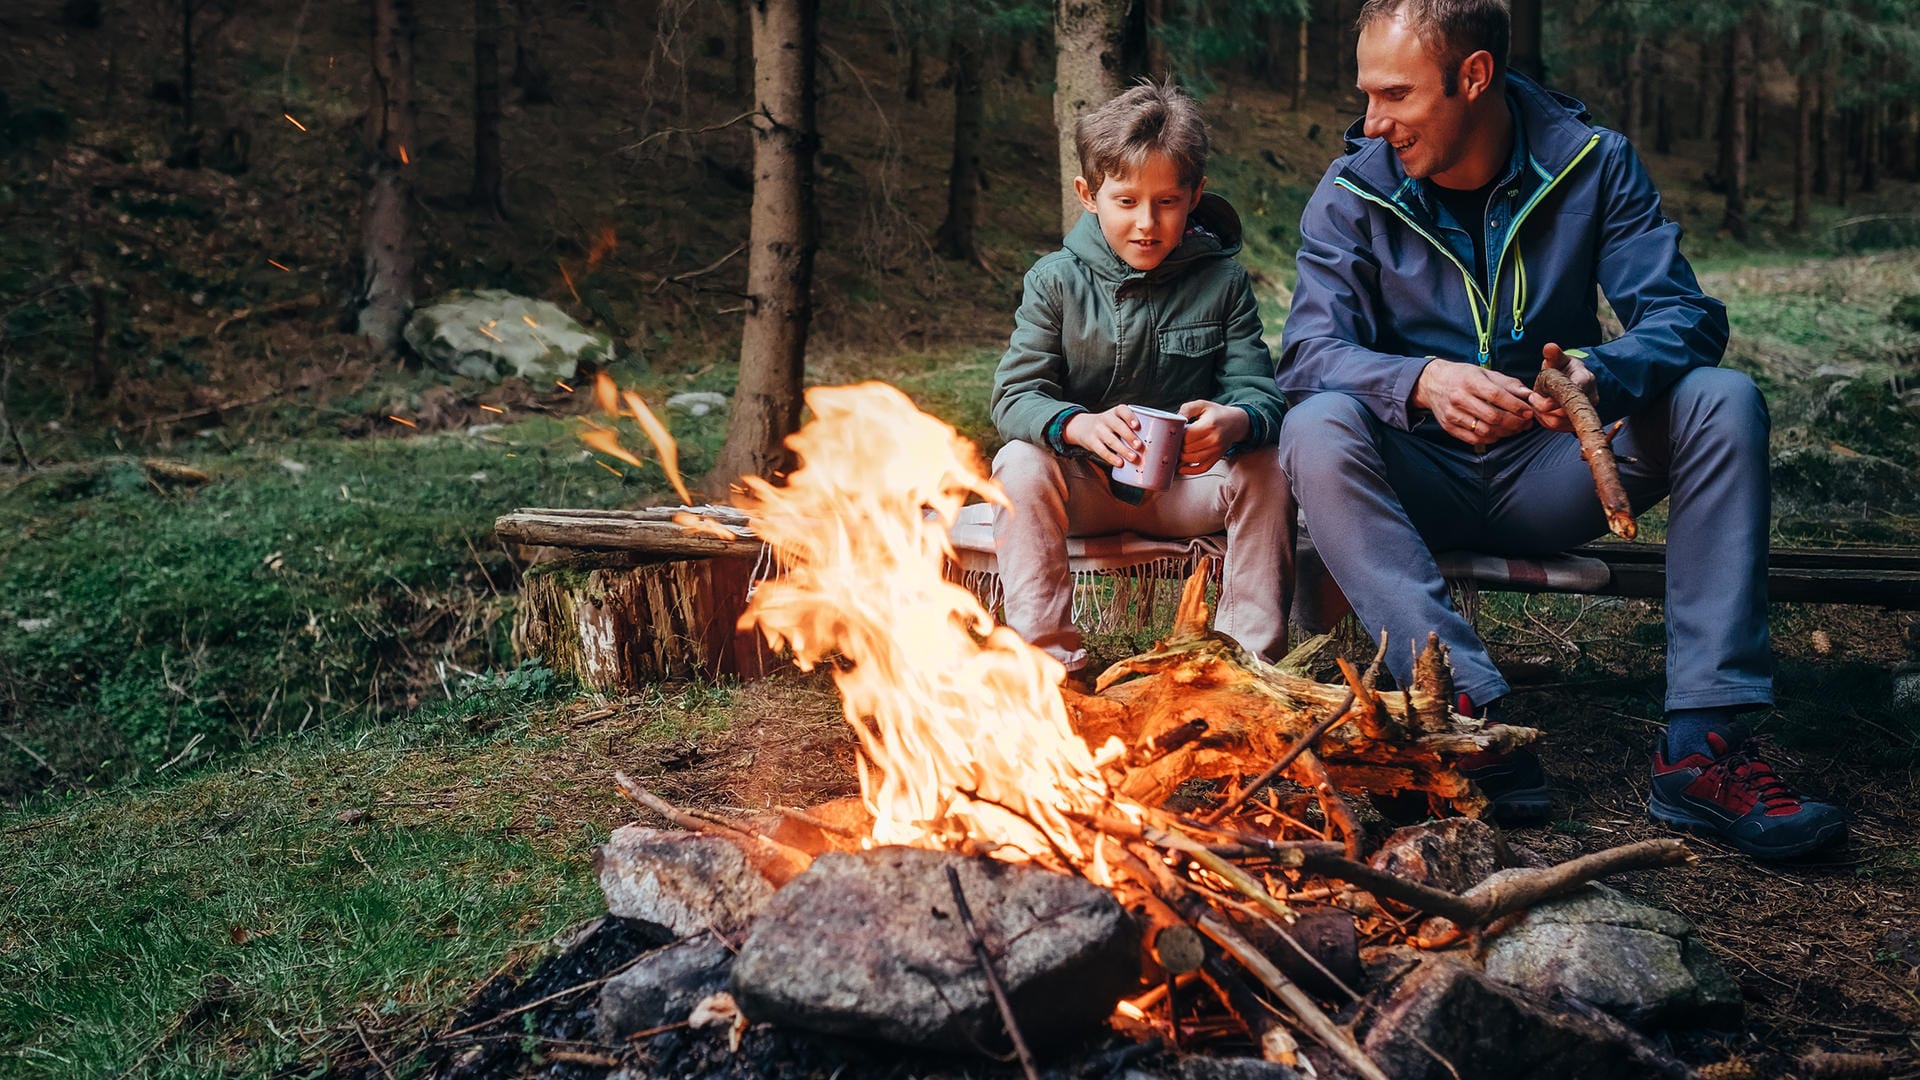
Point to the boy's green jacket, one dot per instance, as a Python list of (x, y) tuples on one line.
[(1093, 332)]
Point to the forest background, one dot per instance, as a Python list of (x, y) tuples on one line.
[(250, 602)]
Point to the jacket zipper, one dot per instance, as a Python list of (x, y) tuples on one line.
[(1477, 300)]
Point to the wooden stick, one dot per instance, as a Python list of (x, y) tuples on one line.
[(1554, 383), (1507, 895), (993, 979), (776, 861), (1335, 808)]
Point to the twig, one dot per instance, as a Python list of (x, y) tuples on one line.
[(1507, 895), (278, 308), (993, 979), (371, 1052), (1332, 806), (29, 751), (1553, 382), (555, 996), (778, 862), (702, 272), (664, 132)]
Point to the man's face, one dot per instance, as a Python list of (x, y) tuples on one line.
[(1142, 215), (1407, 100)]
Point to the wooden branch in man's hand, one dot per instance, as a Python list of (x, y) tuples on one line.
[(1553, 382)]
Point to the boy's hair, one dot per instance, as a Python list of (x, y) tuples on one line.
[(1451, 29), (1151, 118)]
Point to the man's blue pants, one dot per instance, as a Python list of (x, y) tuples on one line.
[(1379, 501)]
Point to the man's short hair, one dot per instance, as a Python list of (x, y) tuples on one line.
[(1115, 139), (1451, 29)]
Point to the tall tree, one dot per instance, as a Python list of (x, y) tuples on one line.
[(1805, 78), (1086, 72), (782, 238), (1733, 144), (489, 181), (1524, 51), (386, 281), (956, 237)]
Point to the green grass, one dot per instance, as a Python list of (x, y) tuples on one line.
[(229, 924)]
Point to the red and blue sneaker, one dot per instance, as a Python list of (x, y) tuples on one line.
[(1515, 783), (1734, 795)]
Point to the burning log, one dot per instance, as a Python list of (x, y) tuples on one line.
[(1256, 715), (1596, 442)]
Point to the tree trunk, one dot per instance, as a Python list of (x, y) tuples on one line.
[(1733, 144), (916, 73), (1869, 146), (782, 232), (386, 285), (1842, 155), (529, 75), (1803, 91), (489, 183), (956, 237), (1300, 68), (1087, 57), (186, 64), (1662, 124), (1636, 89), (1704, 100), (1158, 65), (1822, 133), (1524, 53)]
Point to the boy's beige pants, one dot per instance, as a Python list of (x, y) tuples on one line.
[(1056, 497)]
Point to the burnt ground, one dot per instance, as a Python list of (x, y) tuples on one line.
[(1827, 950)]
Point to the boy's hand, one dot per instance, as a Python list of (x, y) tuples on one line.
[(1547, 411), (1110, 436), (1476, 405), (1211, 429)]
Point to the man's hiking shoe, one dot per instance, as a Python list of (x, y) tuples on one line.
[(1515, 784), (1739, 798)]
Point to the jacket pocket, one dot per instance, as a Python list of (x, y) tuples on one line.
[(1184, 345)]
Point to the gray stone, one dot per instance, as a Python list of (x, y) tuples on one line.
[(662, 988), (869, 944), (1639, 963), (1814, 476), (491, 333), (1906, 687), (1454, 854), (1200, 1067), (683, 881), (698, 402), (1448, 1009)]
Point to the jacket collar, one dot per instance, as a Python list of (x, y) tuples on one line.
[(1213, 232), (1551, 127)]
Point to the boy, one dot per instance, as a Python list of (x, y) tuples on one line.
[(1144, 305)]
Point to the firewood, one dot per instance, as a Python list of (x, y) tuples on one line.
[(985, 959), (777, 862), (1595, 446)]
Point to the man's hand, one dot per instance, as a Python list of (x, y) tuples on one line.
[(1474, 404), (1110, 436), (1546, 410), (1211, 429)]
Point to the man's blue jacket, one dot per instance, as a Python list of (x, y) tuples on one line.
[(1383, 288)]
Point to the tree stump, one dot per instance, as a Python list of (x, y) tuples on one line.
[(621, 620)]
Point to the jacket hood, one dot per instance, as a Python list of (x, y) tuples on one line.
[(1557, 127), (1213, 232)]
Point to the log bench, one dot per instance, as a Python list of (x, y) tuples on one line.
[(620, 598)]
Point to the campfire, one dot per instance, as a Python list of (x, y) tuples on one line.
[(1199, 794)]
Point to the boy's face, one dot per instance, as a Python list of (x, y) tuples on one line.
[(1144, 214)]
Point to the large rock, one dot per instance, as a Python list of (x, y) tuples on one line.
[(1642, 964), (662, 988), (1454, 854), (683, 881), (486, 334), (869, 944), (1485, 1030)]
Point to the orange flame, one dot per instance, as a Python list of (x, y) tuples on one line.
[(604, 242), (606, 440), (963, 731)]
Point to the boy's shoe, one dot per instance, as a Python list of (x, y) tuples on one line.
[(1739, 798), (1515, 784)]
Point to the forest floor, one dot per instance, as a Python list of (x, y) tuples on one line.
[(277, 789)]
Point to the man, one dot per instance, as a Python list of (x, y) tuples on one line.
[(1468, 228)]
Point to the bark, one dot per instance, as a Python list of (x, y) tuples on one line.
[(1803, 118), (1524, 53), (782, 237), (489, 182), (956, 236), (386, 285), (1733, 143), (1300, 66), (1595, 444), (1087, 57)]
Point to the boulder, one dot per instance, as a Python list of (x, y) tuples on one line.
[(662, 988), (870, 944), (698, 402), (1454, 854), (1447, 1009), (1639, 963), (683, 881), (491, 333)]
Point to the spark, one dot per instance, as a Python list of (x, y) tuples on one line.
[(610, 468), (404, 160), (493, 409), (402, 420), (563, 386), (280, 265), (487, 329), (528, 319), (568, 278), (294, 122)]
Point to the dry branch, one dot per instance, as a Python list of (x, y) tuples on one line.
[(985, 960), (777, 862), (1554, 383)]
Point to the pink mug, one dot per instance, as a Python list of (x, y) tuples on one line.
[(1165, 434)]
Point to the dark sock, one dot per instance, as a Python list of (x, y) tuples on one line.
[(1687, 731)]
